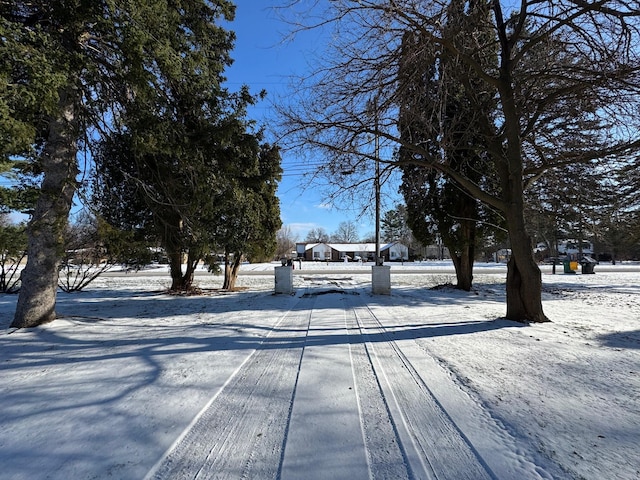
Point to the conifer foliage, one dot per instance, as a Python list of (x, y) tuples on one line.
[(145, 78)]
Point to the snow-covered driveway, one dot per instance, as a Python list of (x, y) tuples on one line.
[(336, 391), (332, 382)]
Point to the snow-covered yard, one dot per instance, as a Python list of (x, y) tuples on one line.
[(328, 383)]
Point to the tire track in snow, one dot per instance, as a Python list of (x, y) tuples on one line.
[(289, 407), (504, 455), (324, 440), (240, 433), (435, 447), (386, 454)]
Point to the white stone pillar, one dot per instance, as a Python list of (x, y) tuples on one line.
[(381, 280), (284, 280)]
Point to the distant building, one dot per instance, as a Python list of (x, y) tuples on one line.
[(433, 252), (336, 252)]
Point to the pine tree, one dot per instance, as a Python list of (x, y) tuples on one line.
[(211, 190)]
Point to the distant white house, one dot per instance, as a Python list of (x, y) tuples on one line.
[(572, 247), (335, 252)]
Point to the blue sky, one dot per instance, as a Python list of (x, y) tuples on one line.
[(264, 60)]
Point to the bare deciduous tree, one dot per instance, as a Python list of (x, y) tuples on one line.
[(317, 235), (347, 232), (285, 242), (563, 73)]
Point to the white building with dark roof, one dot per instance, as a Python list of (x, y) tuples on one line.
[(336, 252)]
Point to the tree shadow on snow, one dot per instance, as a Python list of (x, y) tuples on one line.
[(625, 340), (106, 305), (136, 330), (44, 346)]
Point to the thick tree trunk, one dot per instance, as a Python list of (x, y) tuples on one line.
[(463, 265), (524, 279), (173, 243), (180, 282), (524, 287), (231, 270), (462, 250), (37, 297)]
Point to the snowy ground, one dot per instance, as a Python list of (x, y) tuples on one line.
[(329, 383)]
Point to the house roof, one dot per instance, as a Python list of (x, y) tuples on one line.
[(352, 247)]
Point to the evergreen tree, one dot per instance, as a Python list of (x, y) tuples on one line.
[(391, 226), (77, 62), (248, 213), (394, 226), (444, 120), (216, 192)]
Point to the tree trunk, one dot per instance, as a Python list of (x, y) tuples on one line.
[(235, 270), (227, 273), (524, 279), (181, 282), (231, 271), (192, 262), (463, 265), (175, 269), (462, 250), (37, 297), (171, 228), (524, 287)]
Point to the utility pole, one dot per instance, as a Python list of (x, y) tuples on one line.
[(380, 274), (376, 182)]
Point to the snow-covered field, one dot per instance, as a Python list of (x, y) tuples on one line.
[(329, 383)]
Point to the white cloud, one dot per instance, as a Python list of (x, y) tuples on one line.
[(301, 229)]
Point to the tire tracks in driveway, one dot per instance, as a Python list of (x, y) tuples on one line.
[(488, 439), (387, 456), (330, 393), (240, 432), (431, 443)]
